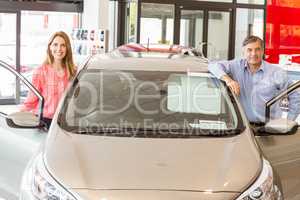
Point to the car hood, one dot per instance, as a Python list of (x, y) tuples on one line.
[(153, 195), (206, 164)]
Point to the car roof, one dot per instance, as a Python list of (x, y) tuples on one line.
[(162, 48), (147, 61)]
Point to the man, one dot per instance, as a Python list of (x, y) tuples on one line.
[(256, 81)]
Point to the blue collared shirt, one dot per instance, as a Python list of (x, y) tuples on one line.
[(259, 87)]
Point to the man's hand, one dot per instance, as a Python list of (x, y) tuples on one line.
[(233, 85)]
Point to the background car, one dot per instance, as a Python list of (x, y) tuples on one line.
[(159, 48)]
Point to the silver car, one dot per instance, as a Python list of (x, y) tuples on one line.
[(158, 126)]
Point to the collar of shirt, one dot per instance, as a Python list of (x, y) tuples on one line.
[(261, 68)]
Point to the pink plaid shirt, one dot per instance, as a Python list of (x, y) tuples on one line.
[(51, 86)]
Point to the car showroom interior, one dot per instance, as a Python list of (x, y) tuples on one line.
[(149, 99)]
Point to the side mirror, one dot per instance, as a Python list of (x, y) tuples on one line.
[(23, 120), (281, 127)]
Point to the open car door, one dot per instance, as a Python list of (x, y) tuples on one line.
[(280, 142), (17, 145)]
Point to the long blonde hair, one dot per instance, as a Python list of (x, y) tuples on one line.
[(68, 59)]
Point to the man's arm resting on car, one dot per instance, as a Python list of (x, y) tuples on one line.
[(232, 84)]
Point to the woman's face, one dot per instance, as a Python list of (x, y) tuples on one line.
[(58, 48)]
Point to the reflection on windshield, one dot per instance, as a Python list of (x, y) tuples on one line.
[(168, 102)]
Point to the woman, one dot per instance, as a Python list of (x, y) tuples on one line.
[(52, 77)]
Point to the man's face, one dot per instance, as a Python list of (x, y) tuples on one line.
[(253, 52)]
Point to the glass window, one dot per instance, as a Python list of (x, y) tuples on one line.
[(8, 54), (218, 45), (193, 95), (131, 22), (248, 22), (251, 1), (36, 29), (113, 24), (148, 100), (191, 28), (157, 23), (7, 84)]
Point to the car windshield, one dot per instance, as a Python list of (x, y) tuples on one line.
[(148, 103)]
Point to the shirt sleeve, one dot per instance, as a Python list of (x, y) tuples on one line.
[(293, 98), (31, 102), (221, 68)]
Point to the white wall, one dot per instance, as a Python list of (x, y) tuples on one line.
[(104, 14), (95, 14), (101, 14)]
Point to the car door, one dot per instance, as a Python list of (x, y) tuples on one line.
[(17, 145), (284, 153)]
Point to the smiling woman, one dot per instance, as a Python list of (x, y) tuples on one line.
[(53, 76)]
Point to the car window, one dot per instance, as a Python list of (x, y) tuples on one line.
[(150, 101), (7, 84), (193, 94)]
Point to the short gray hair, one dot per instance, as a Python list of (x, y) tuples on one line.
[(252, 39)]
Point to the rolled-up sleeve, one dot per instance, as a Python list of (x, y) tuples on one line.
[(221, 68)]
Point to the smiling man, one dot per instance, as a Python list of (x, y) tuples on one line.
[(256, 81)]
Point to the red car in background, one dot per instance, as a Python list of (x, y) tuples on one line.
[(159, 48)]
